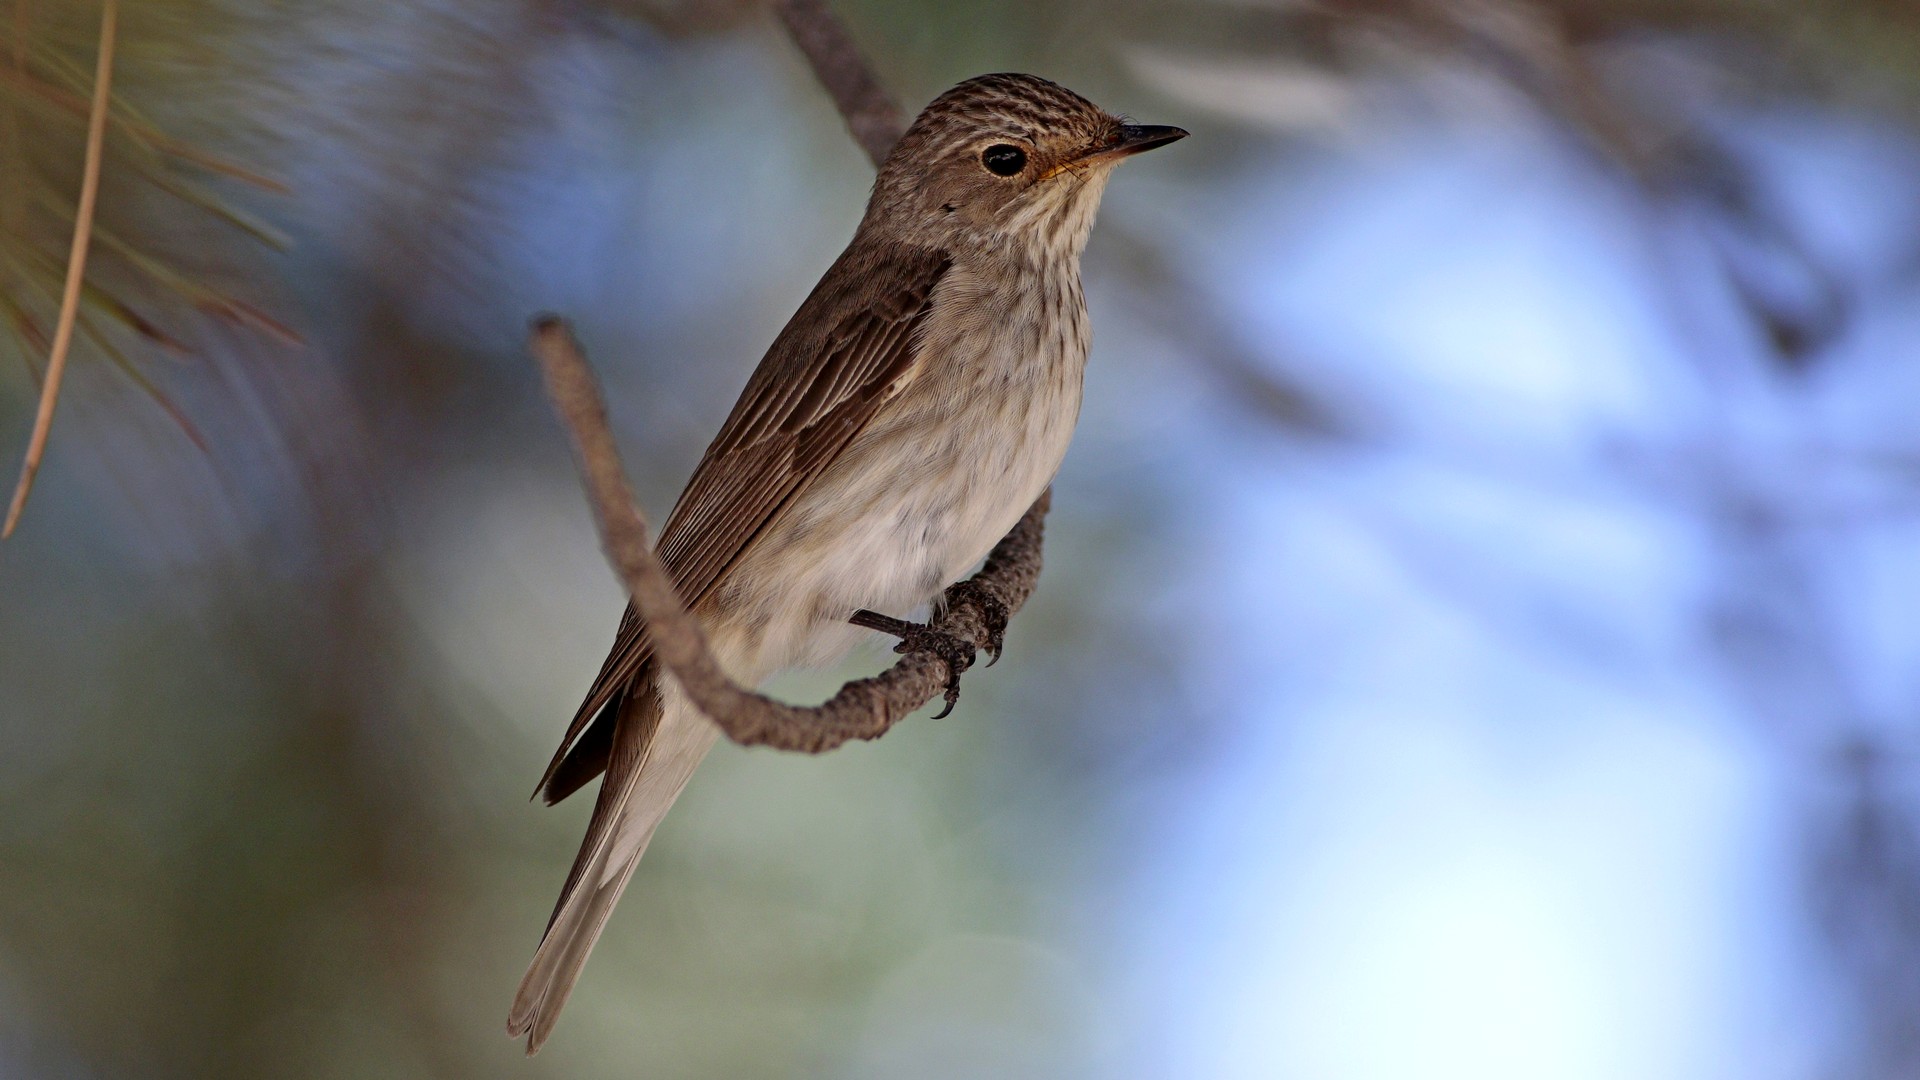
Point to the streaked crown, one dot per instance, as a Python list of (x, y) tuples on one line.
[(1023, 107)]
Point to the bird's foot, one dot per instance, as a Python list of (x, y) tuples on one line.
[(956, 652), (993, 612)]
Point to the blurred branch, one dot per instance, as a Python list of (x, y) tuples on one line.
[(1569, 61), (76, 268), (862, 709), (872, 116), (1866, 885)]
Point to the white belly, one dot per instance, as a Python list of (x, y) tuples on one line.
[(944, 472)]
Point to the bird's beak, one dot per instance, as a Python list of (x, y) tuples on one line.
[(1133, 139), (1136, 139)]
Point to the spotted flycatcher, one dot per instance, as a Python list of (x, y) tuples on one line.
[(913, 408)]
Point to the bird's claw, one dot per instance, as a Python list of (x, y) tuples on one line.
[(993, 612), (956, 652)]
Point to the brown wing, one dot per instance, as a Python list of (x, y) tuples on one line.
[(816, 389)]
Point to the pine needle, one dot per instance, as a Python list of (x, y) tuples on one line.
[(49, 94), (12, 204), (28, 332), (76, 267), (121, 360)]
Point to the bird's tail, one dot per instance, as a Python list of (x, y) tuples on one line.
[(644, 776)]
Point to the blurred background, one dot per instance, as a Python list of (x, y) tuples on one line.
[(1479, 628)]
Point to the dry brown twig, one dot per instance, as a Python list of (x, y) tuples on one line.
[(862, 709), (76, 268)]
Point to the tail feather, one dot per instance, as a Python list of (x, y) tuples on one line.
[(563, 954), (656, 748)]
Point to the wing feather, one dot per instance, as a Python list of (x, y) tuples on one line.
[(813, 393)]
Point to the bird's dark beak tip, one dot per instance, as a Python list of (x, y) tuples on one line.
[(1139, 138)]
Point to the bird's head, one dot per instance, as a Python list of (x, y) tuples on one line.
[(1005, 161)]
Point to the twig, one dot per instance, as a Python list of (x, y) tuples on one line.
[(76, 267), (873, 118), (863, 709)]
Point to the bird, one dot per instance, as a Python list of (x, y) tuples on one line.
[(913, 408)]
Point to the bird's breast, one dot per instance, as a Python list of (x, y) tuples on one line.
[(958, 453)]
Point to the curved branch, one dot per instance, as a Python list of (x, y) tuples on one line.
[(862, 709)]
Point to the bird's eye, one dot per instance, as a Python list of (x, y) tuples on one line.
[(1003, 159)]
